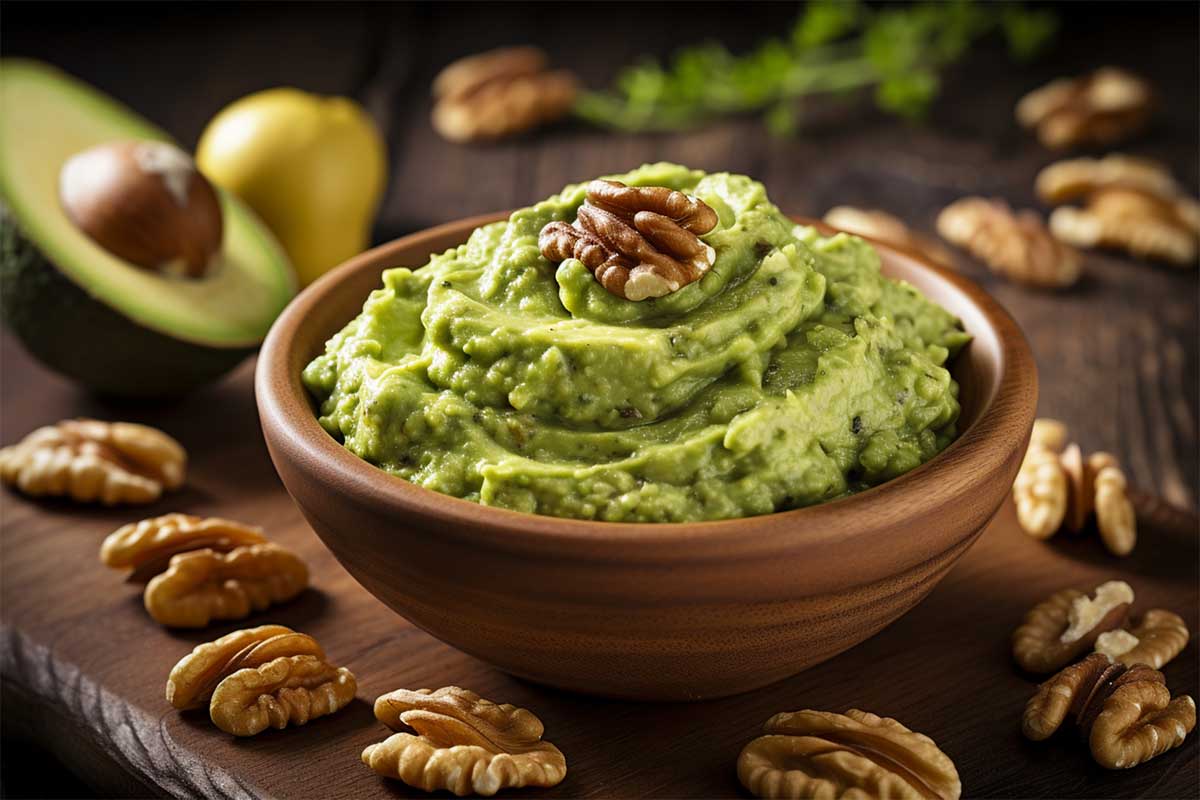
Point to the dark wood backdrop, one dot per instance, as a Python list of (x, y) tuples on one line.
[(1117, 354)]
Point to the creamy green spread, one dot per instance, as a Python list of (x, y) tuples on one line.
[(792, 373)]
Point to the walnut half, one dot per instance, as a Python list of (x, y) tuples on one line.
[(93, 461), (856, 754), (1100, 108), (639, 241), (1016, 245), (1067, 624), (500, 93), (252, 679), (202, 585), (464, 743), (1126, 714)]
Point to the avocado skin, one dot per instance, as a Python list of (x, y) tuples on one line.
[(80, 337)]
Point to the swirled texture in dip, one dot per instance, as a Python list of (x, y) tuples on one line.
[(790, 374)]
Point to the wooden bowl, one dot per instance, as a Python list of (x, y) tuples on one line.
[(648, 611)]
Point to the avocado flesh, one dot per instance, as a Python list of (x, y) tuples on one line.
[(87, 313)]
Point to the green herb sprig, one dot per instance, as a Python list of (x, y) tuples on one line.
[(834, 47)]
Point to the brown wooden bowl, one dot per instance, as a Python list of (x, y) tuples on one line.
[(648, 611)]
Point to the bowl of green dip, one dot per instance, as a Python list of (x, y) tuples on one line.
[(675, 498)]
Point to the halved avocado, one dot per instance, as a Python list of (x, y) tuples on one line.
[(92, 316)]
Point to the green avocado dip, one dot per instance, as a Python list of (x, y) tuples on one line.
[(790, 374)]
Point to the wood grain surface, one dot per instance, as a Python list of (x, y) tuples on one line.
[(1119, 356), (84, 667)]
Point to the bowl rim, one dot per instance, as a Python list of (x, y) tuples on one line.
[(1003, 422)]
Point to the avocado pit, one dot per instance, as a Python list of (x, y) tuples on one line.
[(145, 202)]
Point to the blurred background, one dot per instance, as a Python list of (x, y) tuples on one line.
[(1117, 351)]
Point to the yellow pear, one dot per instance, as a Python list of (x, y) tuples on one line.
[(312, 167)]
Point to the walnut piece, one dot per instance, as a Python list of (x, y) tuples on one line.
[(1015, 245), (1040, 492), (1157, 638), (1115, 515), (1064, 181), (1049, 434), (202, 585), (856, 754), (93, 461), (1125, 713), (1144, 224), (1100, 108), (500, 93), (289, 690), (886, 228), (146, 547), (192, 680), (464, 743), (638, 241), (1064, 626), (1138, 722)]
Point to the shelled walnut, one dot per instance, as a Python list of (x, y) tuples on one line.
[(202, 585), (1016, 245), (1067, 624), (1140, 222), (889, 229), (1057, 488), (1100, 108), (146, 547), (1073, 178), (201, 569), (270, 676), (464, 743), (639, 241), (93, 461), (856, 754), (1126, 714), (1155, 639), (500, 93)]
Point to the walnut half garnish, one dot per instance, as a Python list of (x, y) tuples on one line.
[(464, 743), (1016, 245), (1126, 714), (639, 241), (1097, 109), (500, 93), (93, 461), (270, 676), (146, 547), (856, 754)]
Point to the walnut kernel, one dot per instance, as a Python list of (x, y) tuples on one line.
[(1139, 721), (1100, 108), (289, 690), (1073, 178), (464, 743), (822, 754), (146, 547), (1015, 245), (1049, 434), (500, 93), (202, 585), (1159, 637), (1115, 516), (93, 461), (194, 677), (1040, 492), (1143, 224), (1065, 625), (638, 241)]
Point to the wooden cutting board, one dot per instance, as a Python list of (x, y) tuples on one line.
[(84, 668)]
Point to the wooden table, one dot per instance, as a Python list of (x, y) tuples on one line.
[(82, 665)]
